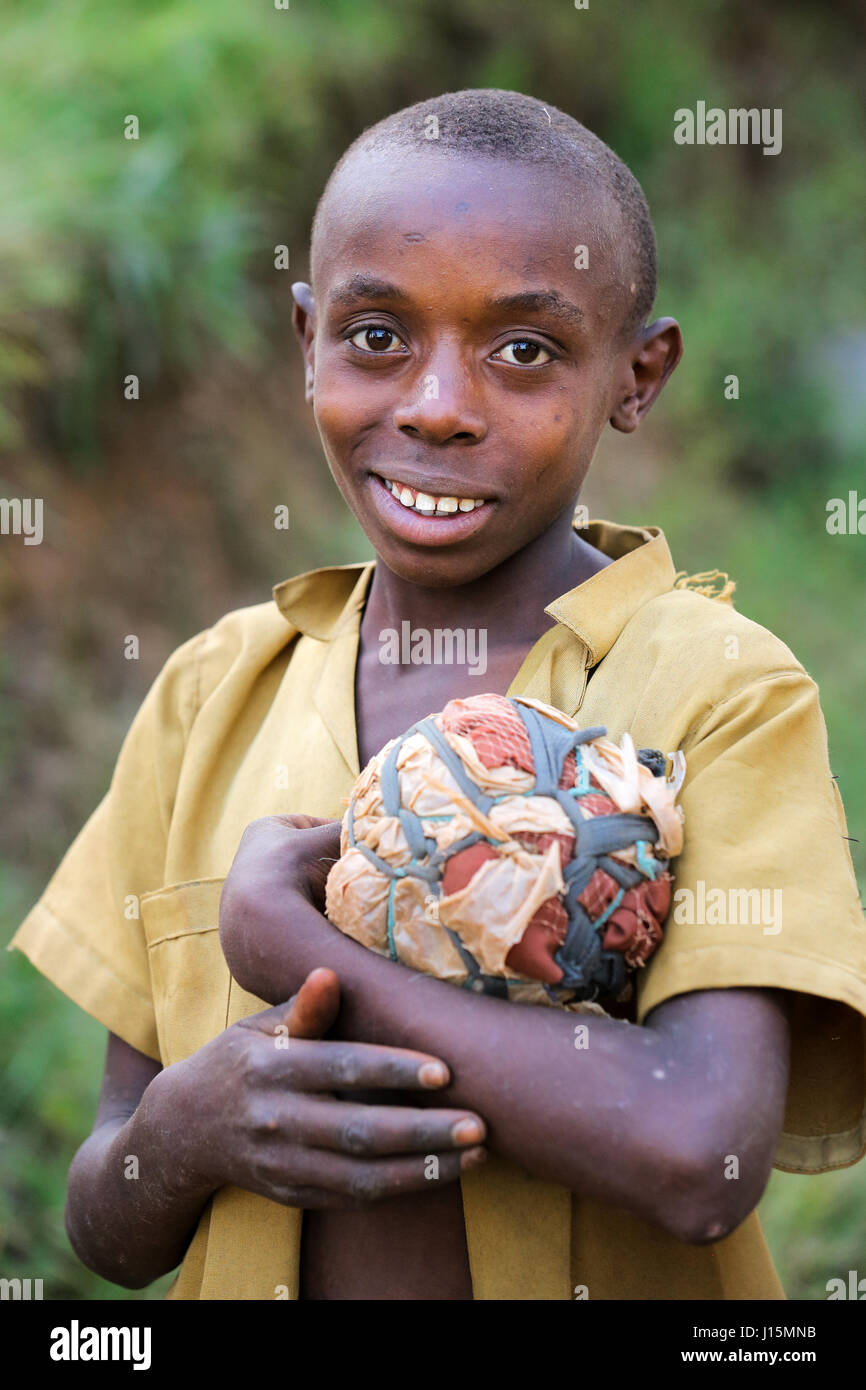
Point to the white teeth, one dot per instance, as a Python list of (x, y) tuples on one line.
[(427, 504)]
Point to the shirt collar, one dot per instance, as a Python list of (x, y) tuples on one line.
[(319, 602), (599, 608), (316, 603)]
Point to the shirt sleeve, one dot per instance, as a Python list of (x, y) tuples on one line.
[(765, 896), (85, 932)]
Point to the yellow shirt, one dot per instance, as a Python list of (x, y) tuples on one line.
[(256, 717)]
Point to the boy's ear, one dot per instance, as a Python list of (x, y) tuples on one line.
[(649, 361), (304, 320)]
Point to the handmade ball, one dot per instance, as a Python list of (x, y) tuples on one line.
[(501, 847)]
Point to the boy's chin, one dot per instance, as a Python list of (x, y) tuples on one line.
[(434, 570)]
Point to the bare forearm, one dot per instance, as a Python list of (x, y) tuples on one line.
[(630, 1117), (645, 1118), (132, 1205), (600, 1111)]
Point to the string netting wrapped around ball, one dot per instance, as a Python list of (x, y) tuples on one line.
[(501, 847)]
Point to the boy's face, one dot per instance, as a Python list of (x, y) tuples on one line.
[(454, 350)]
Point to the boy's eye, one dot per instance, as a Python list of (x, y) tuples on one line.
[(524, 353), (374, 338)]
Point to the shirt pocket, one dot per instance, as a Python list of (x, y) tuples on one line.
[(189, 976)]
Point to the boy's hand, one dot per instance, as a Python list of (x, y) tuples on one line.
[(307, 845), (281, 864), (261, 1113)]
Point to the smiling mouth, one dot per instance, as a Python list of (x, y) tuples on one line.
[(426, 503)]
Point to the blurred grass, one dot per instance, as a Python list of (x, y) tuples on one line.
[(157, 256), (51, 1058)]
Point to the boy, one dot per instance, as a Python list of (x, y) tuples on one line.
[(461, 359)]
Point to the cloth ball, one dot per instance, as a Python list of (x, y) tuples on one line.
[(501, 847)]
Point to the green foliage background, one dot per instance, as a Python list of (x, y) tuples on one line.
[(156, 256)]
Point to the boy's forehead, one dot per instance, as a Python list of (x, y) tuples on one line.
[(477, 215)]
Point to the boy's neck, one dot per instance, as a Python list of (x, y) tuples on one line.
[(508, 601)]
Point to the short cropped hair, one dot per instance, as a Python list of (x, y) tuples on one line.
[(509, 125)]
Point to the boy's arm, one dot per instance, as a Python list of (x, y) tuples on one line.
[(129, 1216), (247, 1110), (647, 1118)]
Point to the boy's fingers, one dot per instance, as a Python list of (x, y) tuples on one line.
[(314, 1008), (304, 822), (373, 1130), (286, 837), (308, 1014), (314, 1065), (360, 1181), (346, 1066)]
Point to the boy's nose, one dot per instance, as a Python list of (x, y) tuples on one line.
[(442, 409)]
